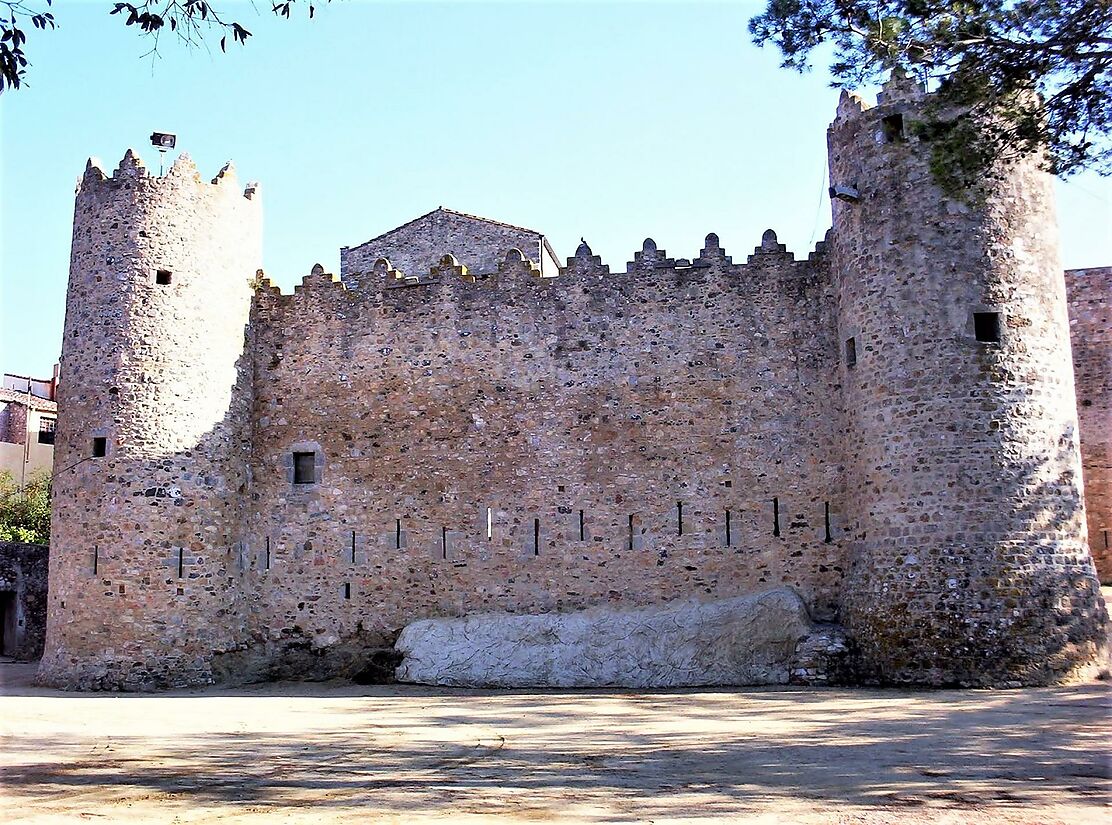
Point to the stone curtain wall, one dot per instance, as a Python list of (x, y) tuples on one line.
[(572, 408), (414, 248), (143, 581), (970, 563), (23, 574), (13, 422), (485, 439), (1090, 302)]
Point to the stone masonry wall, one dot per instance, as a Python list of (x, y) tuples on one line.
[(969, 561), (13, 422), (487, 439), (415, 247), (602, 424), (1090, 302), (23, 572), (143, 582)]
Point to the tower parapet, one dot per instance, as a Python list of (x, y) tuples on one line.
[(969, 560), (153, 436)]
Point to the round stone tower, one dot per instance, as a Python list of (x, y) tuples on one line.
[(151, 452), (969, 558)]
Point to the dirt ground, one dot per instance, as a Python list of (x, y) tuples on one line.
[(323, 753)]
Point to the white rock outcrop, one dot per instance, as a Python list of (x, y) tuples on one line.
[(750, 640)]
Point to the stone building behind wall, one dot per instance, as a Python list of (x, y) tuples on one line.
[(415, 247), (887, 426), (28, 418)]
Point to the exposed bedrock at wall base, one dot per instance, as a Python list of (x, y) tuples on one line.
[(751, 640), (366, 658), (363, 657)]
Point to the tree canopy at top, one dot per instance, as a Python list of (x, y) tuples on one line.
[(191, 21), (1038, 71)]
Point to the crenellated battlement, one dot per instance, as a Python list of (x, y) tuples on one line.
[(649, 265), (131, 170), (900, 88)]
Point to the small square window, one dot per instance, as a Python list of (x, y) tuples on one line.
[(893, 126), (986, 327), (162, 277), (851, 351), (46, 430), (304, 468), (100, 447)]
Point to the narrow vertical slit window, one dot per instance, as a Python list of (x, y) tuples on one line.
[(679, 518), (582, 527), (443, 542), (398, 533), (826, 521), (347, 590), (181, 561), (851, 351), (536, 537), (490, 524), (631, 532), (775, 516), (728, 537), (268, 552), (353, 547), (96, 559)]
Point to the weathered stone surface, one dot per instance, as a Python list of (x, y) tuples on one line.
[(484, 439), (969, 564), (1090, 303), (416, 247), (145, 538), (750, 640), (23, 576), (295, 657)]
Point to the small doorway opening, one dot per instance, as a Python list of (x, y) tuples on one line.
[(7, 623)]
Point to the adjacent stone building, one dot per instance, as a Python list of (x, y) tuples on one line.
[(23, 581), (452, 427), (415, 247), (28, 419), (1089, 292)]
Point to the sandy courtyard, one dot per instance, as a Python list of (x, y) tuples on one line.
[(324, 753)]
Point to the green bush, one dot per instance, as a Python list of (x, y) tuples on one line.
[(25, 516)]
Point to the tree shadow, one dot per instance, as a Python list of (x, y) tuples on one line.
[(707, 753)]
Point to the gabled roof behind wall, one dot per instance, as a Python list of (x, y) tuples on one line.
[(457, 213), (540, 235)]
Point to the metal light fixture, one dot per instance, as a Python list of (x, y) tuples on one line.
[(164, 141), (849, 194)]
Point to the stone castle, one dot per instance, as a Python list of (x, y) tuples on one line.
[(459, 425)]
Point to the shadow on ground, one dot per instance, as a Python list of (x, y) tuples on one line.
[(703, 753)]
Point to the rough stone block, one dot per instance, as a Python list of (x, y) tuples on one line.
[(749, 640)]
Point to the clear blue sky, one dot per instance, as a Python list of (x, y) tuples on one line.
[(613, 122)]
